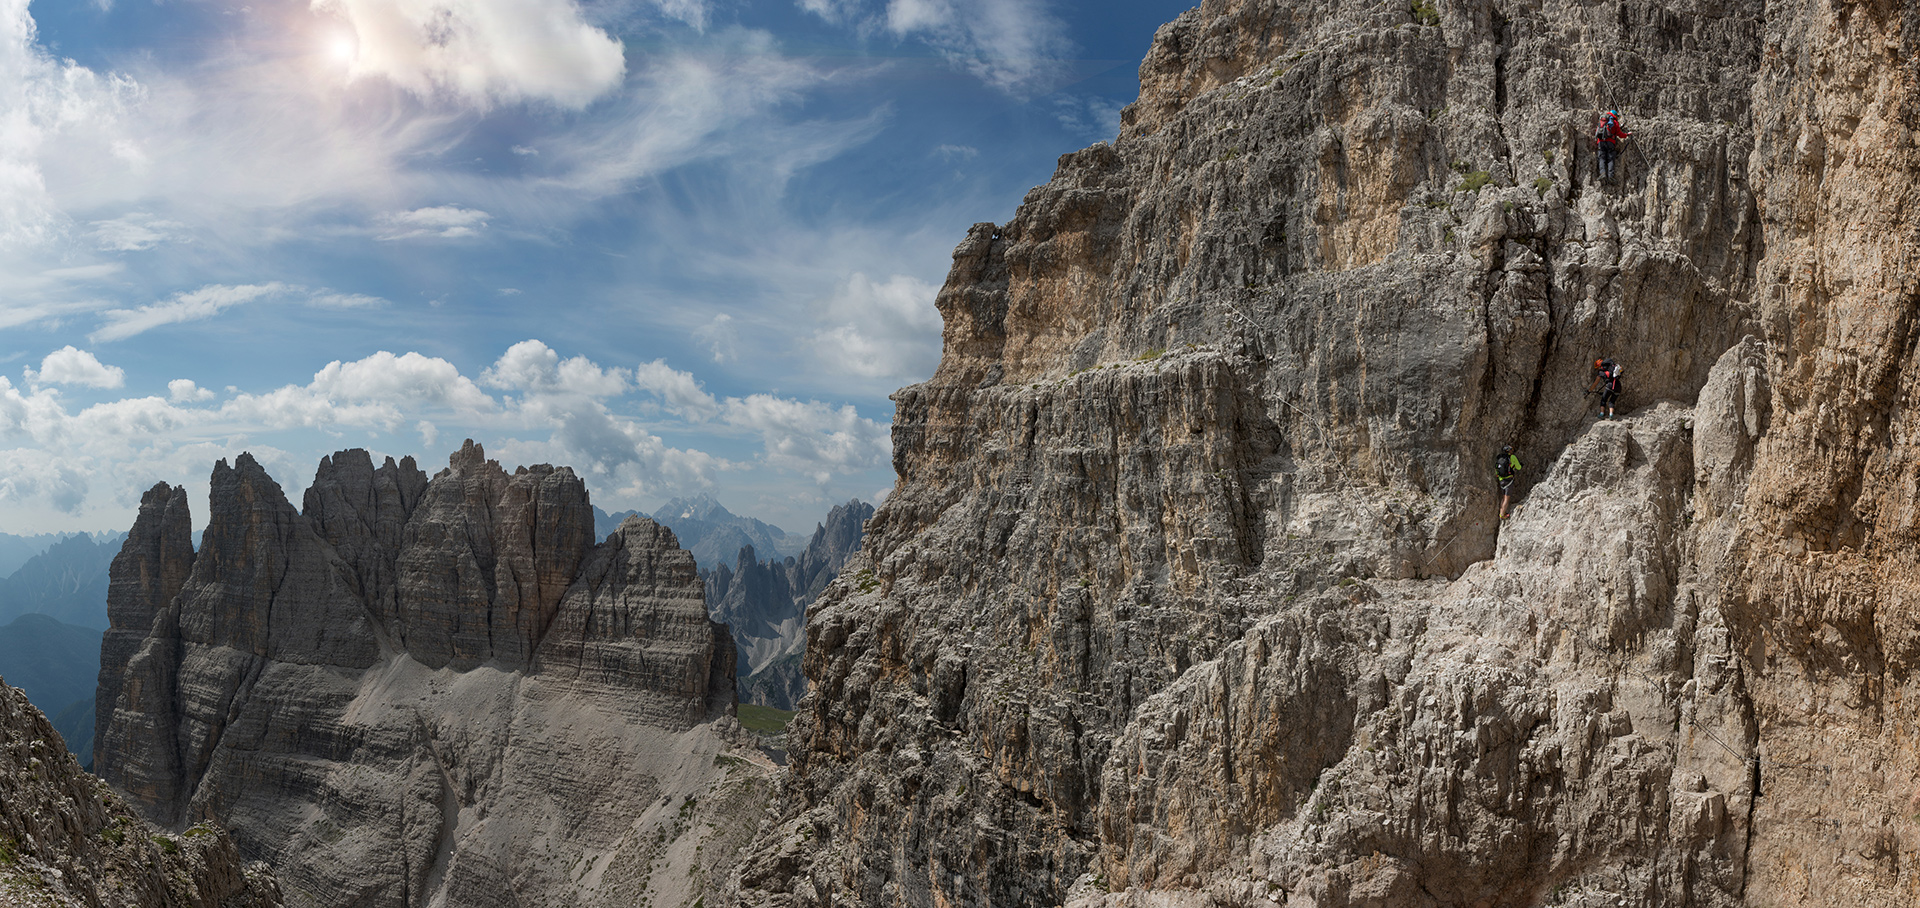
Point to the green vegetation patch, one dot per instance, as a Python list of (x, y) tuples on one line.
[(1541, 186), (1475, 180), (765, 719), (1424, 12), (1151, 355)]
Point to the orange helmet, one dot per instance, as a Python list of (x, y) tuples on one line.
[(1598, 363)]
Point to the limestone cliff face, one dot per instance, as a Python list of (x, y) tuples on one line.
[(1193, 591), (66, 841), (422, 691)]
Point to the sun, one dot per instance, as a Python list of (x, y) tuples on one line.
[(342, 48)]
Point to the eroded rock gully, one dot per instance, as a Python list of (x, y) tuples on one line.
[(1192, 591), (428, 691)]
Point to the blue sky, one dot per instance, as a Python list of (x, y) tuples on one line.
[(679, 245)]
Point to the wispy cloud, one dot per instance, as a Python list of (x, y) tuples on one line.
[(1013, 45), (135, 232), (449, 221), (191, 306)]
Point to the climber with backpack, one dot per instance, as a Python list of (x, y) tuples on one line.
[(1506, 466), (1606, 380), (1607, 138)]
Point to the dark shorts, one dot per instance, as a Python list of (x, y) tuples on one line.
[(1608, 396), (1506, 485)]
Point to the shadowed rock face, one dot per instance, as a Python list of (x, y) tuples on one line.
[(417, 687), (1193, 582)]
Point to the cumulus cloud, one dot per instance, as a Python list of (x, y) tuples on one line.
[(680, 390), (42, 101), (409, 378), (888, 329), (443, 221), (135, 232), (533, 366), (70, 366), (184, 391), (191, 306), (811, 437), (483, 52)]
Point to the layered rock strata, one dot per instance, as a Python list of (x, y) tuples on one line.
[(66, 841), (420, 691), (1192, 589), (765, 603)]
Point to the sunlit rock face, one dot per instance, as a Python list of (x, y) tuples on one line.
[(1193, 588), (421, 690)]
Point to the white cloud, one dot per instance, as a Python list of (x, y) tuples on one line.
[(881, 330), (69, 366), (135, 232), (442, 221), (329, 300), (811, 437), (205, 302), (533, 366), (44, 101), (30, 477), (524, 150), (483, 52), (1009, 44), (410, 378), (184, 391), (680, 390), (957, 152), (721, 338)]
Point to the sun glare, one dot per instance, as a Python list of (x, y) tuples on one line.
[(343, 49)]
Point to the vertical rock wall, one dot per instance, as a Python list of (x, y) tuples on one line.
[(1193, 590)]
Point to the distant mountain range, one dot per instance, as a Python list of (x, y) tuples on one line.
[(15, 550), (53, 608), (765, 604), (66, 579), (57, 665), (759, 581), (712, 533)]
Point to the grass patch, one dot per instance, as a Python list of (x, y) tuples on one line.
[(1424, 12), (764, 719), (1151, 355), (1475, 181), (166, 844), (1541, 185)]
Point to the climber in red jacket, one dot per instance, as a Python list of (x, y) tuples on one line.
[(1607, 138)]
